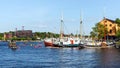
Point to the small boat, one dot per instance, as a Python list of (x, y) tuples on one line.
[(13, 45), (92, 43), (97, 44)]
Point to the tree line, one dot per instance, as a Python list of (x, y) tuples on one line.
[(36, 36)]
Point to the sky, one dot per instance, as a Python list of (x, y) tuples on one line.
[(45, 15)]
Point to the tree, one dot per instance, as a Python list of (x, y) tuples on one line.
[(92, 34), (117, 21), (1, 36), (72, 34), (118, 33), (99, 30)]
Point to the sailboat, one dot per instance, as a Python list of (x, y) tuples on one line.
[(66, 41)]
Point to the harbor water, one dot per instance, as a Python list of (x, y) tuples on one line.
[(29, 56)]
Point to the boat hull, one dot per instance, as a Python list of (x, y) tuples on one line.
[(48, 43), (69, 45)]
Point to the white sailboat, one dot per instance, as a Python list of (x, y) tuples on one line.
[(66, 41)]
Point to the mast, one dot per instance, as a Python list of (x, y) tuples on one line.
[(80, 25), (104, 24), (77, 34), (16, 32), (104, 31), (61, 27)]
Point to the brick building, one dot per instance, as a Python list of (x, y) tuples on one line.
[(23, 33), (8, 36)]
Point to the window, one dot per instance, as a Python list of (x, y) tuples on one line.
[(105, 21), (110, 25), (110, 31)]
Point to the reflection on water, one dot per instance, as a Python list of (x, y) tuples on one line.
[(30, 57)]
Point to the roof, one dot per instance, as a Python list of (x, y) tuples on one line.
[(24, 30), (112, 21)]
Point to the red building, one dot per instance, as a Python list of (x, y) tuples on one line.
[(7, 36), (23, 33)]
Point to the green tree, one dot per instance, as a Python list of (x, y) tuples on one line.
[(92, 34), (117, 21), (72, 34), (43, 35), (1, 36), (118, 33), (99, 30)]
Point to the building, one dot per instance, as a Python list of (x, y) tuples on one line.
[(8, 36), (23, 33), (111, 26)]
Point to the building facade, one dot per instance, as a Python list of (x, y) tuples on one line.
[(111, 26), (23, 33), (8, 36)]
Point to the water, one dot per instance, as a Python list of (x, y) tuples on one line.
[(27, 56)]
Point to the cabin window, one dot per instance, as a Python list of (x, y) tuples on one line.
[(106, 25), (110, 31)]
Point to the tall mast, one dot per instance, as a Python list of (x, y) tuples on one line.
[(16, 32), (77, 34), (104, 24), (61, 26), (80, 25)]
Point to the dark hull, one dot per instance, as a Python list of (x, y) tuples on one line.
[(70, 45)]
